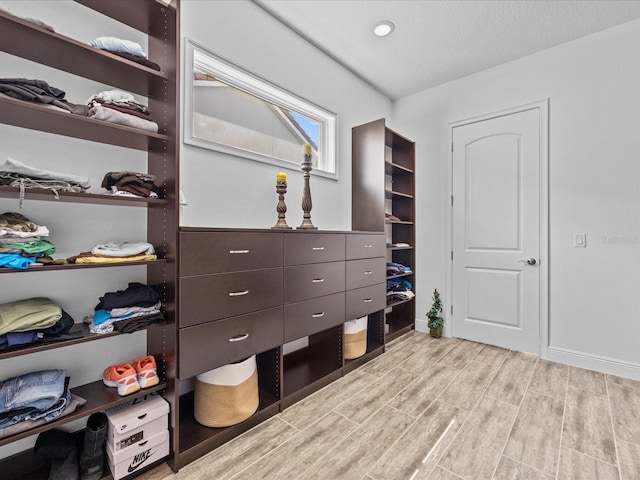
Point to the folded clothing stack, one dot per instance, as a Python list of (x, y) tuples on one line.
[(114, 252), (131, 183), (125, 49), (120, 107), (17, 174), (33, 320), (33, 396), (127, 310), (39, 91), (397, 268), (399, 289), (21, 242)]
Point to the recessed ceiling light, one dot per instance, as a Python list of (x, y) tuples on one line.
[(384, 28)]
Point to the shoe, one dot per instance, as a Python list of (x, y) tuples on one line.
[(123, 376), (147, 371), (92, 457)]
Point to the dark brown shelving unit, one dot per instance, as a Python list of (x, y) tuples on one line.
[(383, 182), (24, 39)]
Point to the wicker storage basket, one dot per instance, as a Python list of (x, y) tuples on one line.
[(227, 395), (355, 338)]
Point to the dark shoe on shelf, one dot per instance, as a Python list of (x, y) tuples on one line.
[(92, 458), (60, 447)]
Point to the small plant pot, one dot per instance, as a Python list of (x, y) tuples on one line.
[(435, 332), (355, 338)]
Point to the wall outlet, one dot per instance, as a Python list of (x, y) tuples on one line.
[(580, 240)]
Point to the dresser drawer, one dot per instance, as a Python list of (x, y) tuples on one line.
[(302, 248), (312, 316), (210, 297), (216, 252), (363, 301), (365, 246), (365, 272), (213, 344), (310, 281)]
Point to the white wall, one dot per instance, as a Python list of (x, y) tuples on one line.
[(228, 191), (593, 86)]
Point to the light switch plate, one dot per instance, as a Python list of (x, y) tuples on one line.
[(580, 240)]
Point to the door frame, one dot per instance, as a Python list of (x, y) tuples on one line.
[(543, 114)]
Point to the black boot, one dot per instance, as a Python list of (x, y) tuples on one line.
[(92, 458), (60, 447)]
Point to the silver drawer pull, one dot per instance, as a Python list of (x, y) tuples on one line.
[(239, 338), (368, 246), (315, 249), (368, 272), (318, 280), (317, 315), (238, 294), (239, 251), (368, 300)]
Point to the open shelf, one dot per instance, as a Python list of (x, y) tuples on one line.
[(99, 398), (399, 302), (311, 368), (197, 439), (83, 328), (143, 18), (400, 275), (64, 53), (393, 193), (37, 117), (92, 198), (74, 266), (389, 168)]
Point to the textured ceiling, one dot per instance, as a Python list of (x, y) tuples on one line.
[(436, 41)]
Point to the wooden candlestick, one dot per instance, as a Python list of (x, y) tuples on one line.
[(281, 208), (306, 193)]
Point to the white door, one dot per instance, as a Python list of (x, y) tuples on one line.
[(496, 230)]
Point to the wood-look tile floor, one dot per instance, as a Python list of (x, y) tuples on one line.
[(443, 409)]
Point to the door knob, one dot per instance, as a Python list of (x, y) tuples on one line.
[(530, 261)]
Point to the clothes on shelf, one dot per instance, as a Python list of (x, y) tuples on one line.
[(39, 91), (398, 245), (21, 242), (120, 107), (33, 320), (36, 395), (128, 310), (131, 183), (125, 49), (389, 217), (35, 21), (394, 268), (399, 289), (16, 174), (113, 252)]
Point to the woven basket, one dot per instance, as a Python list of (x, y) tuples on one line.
[(355, 338), (227, 395)]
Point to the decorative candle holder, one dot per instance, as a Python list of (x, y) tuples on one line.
[(281, 208), (306, 193)]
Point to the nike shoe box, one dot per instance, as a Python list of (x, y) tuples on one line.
[(136, 421), (136, 457)]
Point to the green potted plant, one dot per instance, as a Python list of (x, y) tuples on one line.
[(436, 321)]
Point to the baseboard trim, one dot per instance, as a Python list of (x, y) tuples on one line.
[(421, 325), (594, 362)]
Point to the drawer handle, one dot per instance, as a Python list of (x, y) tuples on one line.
[(317, 315), (239, 338), (315, 249), (368, 246), (368, 300), (368, 272), (318, 280), (238, 251), (238, 294)]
